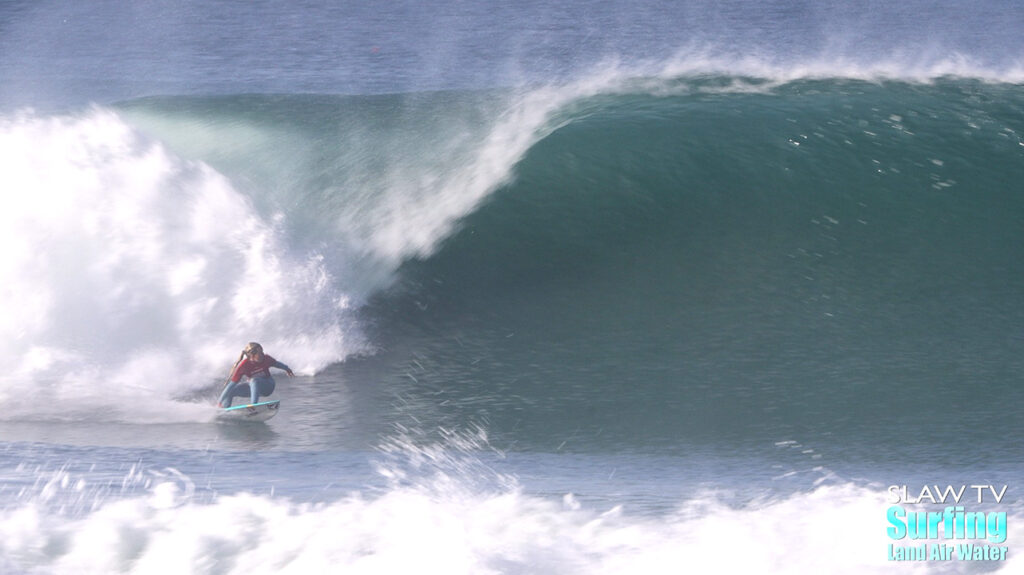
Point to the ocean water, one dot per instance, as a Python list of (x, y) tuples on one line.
[(603, 287)]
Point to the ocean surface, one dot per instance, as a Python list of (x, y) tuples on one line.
[(580, 287)]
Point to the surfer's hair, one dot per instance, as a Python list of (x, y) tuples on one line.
[(253, 347)]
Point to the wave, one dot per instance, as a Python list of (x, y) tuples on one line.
[(150, 239)]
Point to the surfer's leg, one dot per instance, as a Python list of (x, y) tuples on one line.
[(234, 390), (227, 394), (261, 386), (258, 387)]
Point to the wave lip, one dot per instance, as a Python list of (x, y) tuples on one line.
[(896, 65)]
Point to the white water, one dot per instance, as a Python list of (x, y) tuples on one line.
[(130, 274), (441, 507), (446, 528)]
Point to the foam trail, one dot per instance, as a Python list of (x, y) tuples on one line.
[(129, 274)]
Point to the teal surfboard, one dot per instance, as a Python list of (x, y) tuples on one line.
[(250, 412)]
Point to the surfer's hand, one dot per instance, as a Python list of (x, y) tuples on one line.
[(290, 374)]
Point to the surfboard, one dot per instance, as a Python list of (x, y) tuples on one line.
[(250, 412)]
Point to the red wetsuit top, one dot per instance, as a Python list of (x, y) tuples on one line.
[(250, 368)]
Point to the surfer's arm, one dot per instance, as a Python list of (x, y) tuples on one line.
[(280, 365)]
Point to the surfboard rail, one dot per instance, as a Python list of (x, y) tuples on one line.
[(261, 411)]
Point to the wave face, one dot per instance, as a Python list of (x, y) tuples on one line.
[(665, 240), (810, 186), (726, 256)]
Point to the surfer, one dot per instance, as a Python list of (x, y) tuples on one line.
[(255, 365)]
